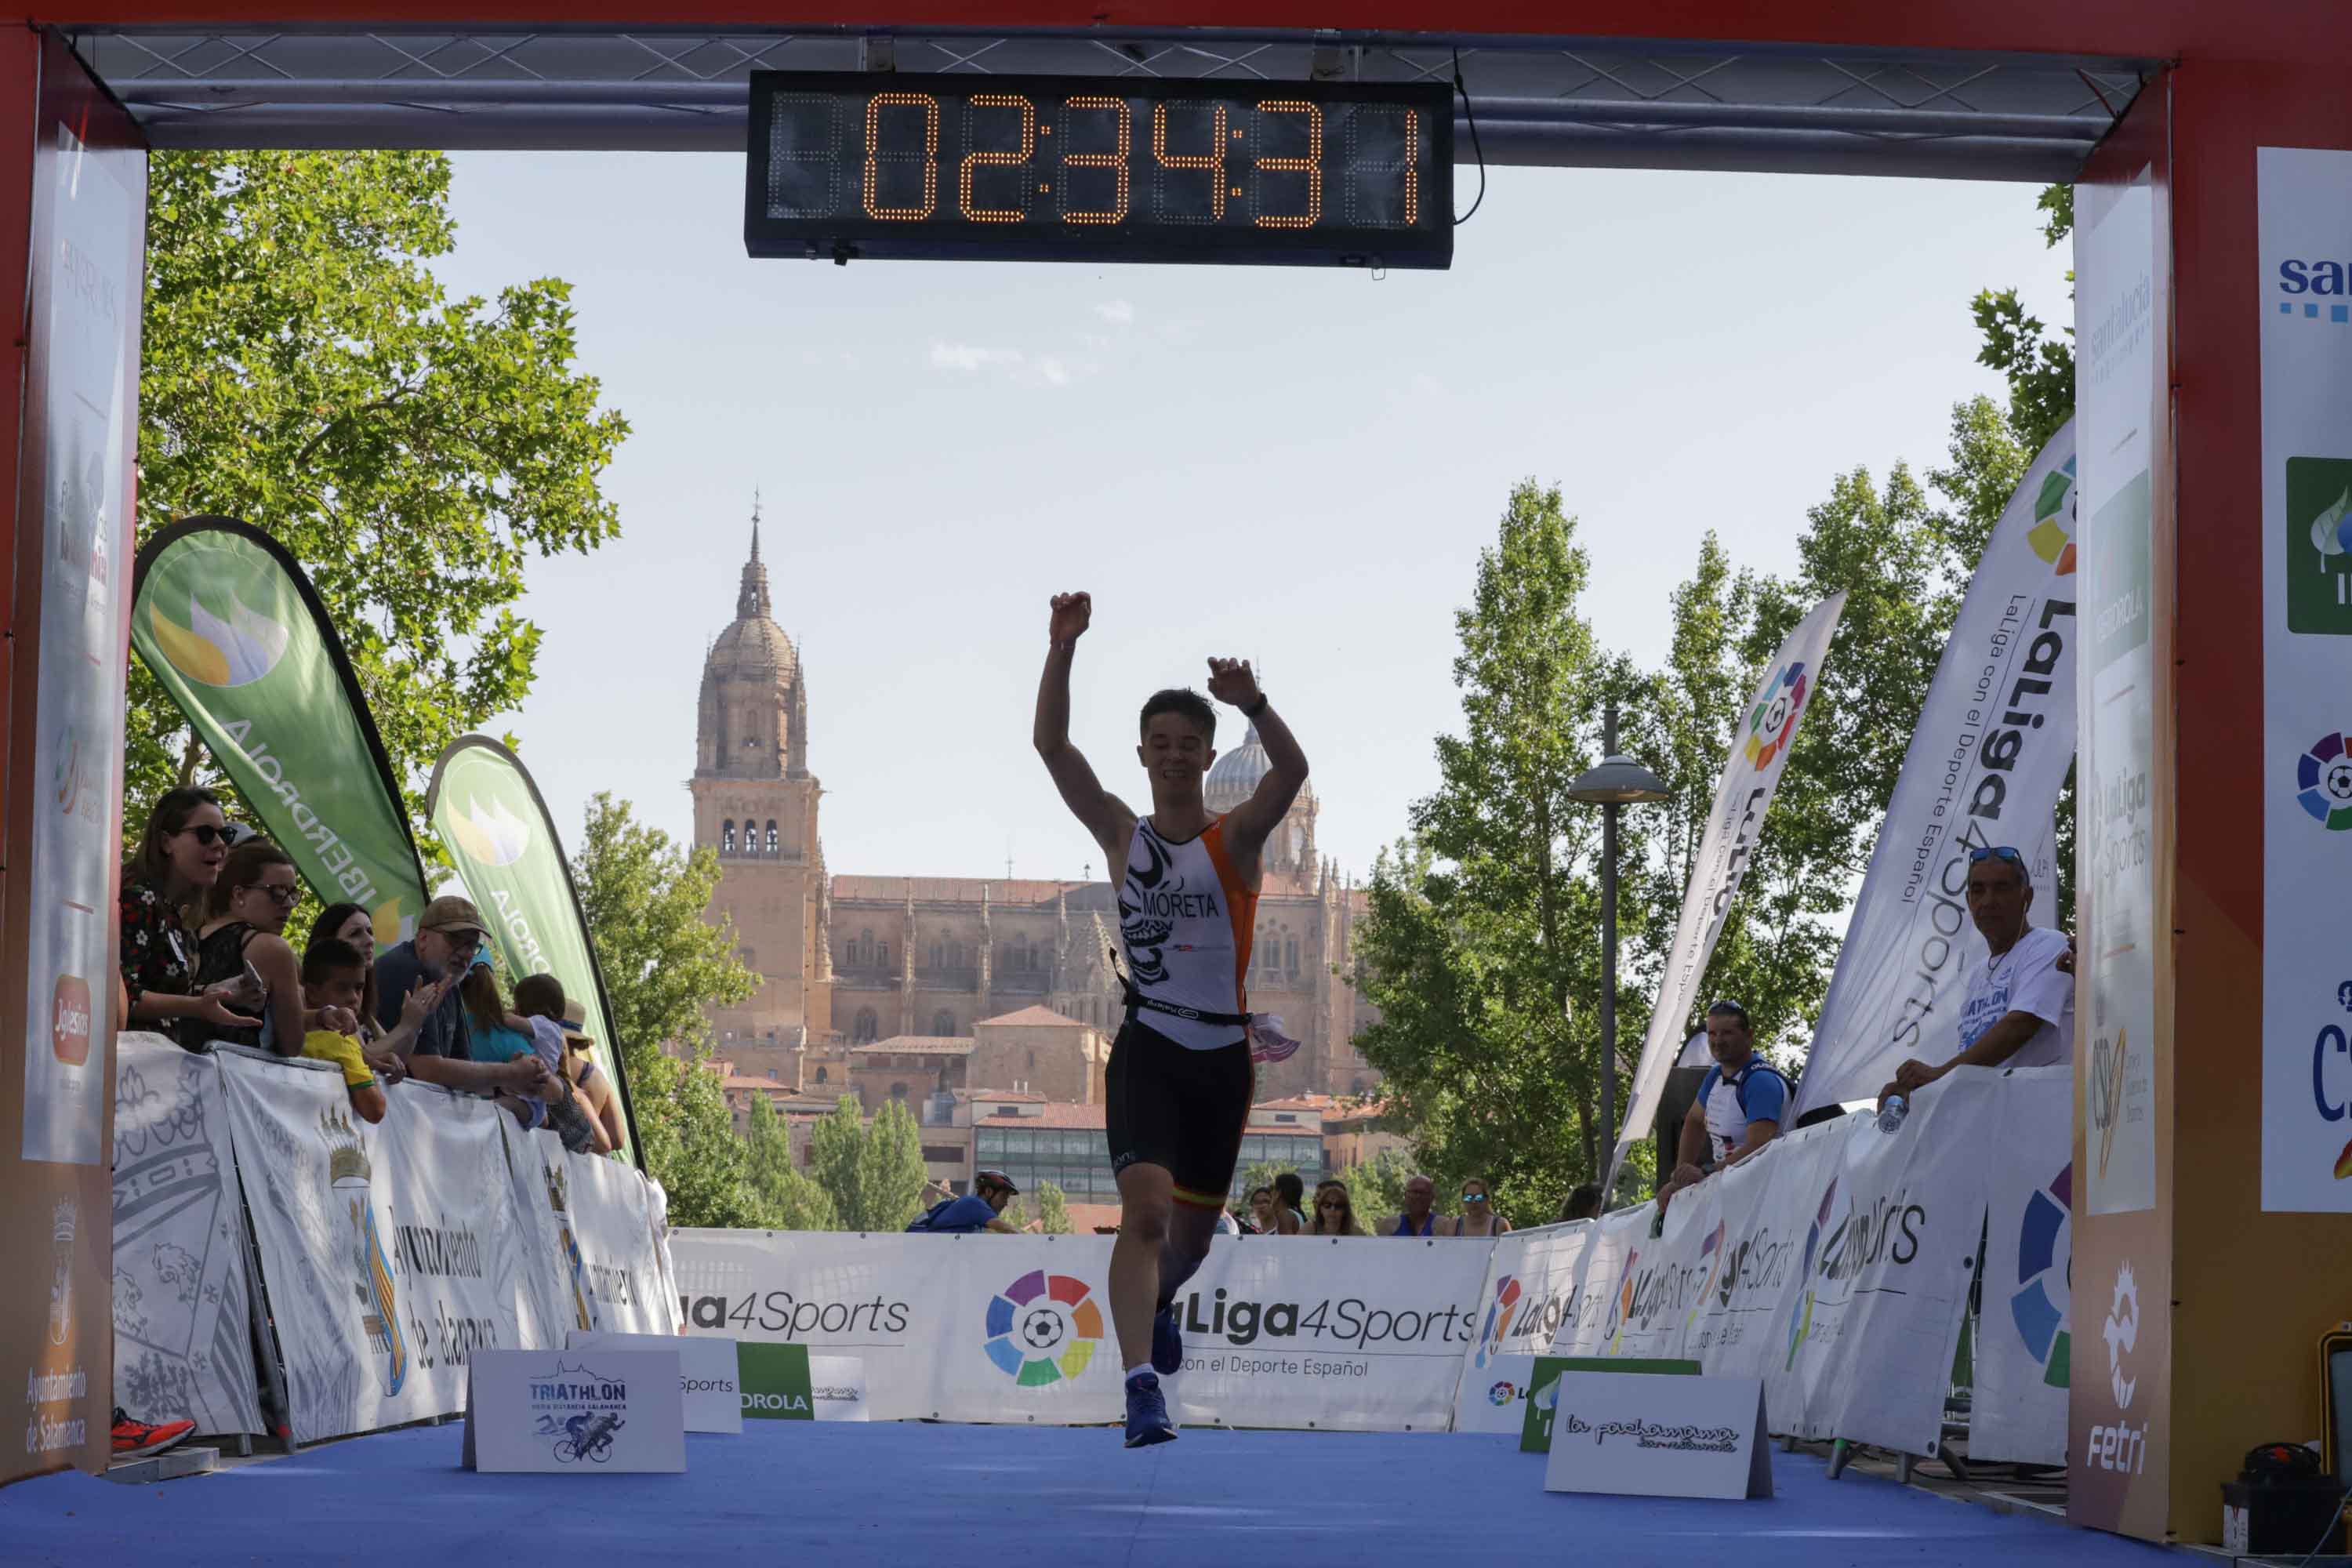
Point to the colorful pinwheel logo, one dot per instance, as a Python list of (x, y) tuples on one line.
[(2044, 1292), (1774, 719), (2052, 533), (2322, 781), (1801, 1320), (1042, 1328)]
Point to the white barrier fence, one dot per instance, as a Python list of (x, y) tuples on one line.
[(385, 1254), (1835, 1265)]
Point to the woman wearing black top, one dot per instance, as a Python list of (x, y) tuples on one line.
[(178, 860), (249, 904)]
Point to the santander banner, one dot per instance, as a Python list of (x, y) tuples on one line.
[(1994, 741), (1751, 775)]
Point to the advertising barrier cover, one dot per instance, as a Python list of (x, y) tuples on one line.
[(183, 1345), (2024, 1345)]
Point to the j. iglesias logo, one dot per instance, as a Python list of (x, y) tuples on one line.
[(2323, 781), (1773, 720), (69, 1020)]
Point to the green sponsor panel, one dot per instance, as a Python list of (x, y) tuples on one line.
[(2319, 546), (230, 626), (1543, 1388), (774, 1380), (2117, 577), (488, 812)]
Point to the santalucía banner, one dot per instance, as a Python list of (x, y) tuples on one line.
[(1994, 741), (228, 623), (1751, 775), (486, 809)]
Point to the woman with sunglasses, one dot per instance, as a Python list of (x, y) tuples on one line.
[(1477, 1217), (1335, 1212), (178, 860), (248, 906)]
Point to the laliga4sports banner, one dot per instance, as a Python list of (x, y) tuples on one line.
[(1751, 775), (1994, 742), (1352, 1333), (486, 808), (229, 624)]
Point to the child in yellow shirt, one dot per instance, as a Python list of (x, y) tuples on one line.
[(333, 975)]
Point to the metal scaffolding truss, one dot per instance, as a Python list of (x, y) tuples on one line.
[(1538, 102)]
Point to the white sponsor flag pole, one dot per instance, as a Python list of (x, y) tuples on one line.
[(1760, 755), (1991, 752)]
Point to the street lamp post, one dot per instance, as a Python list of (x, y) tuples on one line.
[(1615, 783)]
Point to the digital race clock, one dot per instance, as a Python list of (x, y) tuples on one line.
[(1099, 169)]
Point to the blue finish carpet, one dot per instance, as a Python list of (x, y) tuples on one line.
[(910, 1496)]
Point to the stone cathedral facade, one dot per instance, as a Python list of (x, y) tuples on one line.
[(849, 960)]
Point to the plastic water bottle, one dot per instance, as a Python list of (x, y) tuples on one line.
[(1891, 1114)]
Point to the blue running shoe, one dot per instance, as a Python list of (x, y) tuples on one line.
[(1147, 1413), (1167, 1344)]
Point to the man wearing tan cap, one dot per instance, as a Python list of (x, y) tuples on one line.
[(429, 965)]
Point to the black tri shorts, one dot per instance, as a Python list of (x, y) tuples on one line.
[(1179, 1108)]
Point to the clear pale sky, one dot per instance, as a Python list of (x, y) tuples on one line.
[(1298, 466)]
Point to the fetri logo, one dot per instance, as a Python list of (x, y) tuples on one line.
[(2052, 533), (1774, 719), (2038, 1306), (1042, 1328), (69, 1020), (2323, 781), (211, 651), (2122, 1333), (2314, 291), (491, 834)]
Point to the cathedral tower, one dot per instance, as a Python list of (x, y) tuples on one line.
[(755, 804)]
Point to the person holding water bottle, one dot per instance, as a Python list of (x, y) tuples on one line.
[(2020, 1008)]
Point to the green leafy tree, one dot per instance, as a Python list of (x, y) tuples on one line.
[(643, 898), (1052, 1209), (874, 1174), (788, 1200), (1376, 1187), (303, 370), (1483, 927), (2038, 364)]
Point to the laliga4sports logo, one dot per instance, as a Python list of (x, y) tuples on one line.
[(2323, 781), (212, 651), (1042, 1328), (1498, 1323), (491, 834), (1773, 721)]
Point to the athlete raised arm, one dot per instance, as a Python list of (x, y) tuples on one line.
[(1177, 1090)]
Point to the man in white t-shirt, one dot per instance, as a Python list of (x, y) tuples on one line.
[(2019, 1010)]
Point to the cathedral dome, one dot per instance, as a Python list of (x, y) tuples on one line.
[(1237, 773), (752, 648), (752, 719)]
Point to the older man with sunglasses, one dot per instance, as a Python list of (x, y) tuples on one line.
[(2020, 1008)]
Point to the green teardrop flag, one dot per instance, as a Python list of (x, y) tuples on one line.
[(227, 621), (488, 811)]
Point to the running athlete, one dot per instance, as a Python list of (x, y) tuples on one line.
[(1179, 1082)]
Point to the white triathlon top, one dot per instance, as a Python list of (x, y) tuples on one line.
[(1185, 923)]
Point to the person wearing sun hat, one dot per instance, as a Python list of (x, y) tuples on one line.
[(449, 934), (595, 1084)]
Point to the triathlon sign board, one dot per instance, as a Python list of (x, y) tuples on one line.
[(575, 1412)]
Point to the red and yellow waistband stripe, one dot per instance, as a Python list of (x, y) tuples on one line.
[(1198, 1200)]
